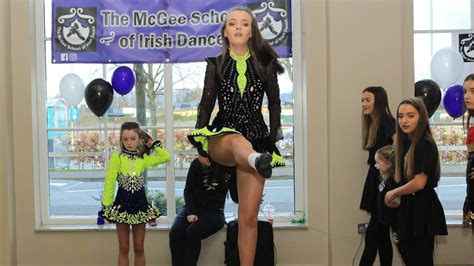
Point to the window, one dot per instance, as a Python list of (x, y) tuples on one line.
[(437, 24), (74, 145)]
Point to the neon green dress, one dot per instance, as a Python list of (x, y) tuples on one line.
[(127, 169)]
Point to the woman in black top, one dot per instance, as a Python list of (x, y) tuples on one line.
[(203, 213), (468, 208), (421, 215), (378, 128), (238, 79)]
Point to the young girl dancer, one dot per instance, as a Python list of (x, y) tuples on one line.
[(130, 207)]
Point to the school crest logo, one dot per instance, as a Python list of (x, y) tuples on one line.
[(466, 46), (76, 29), (272, 21)]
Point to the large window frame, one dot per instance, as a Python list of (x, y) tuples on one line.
[(431, 29), (40, 131)]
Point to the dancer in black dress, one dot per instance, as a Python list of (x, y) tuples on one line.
[(238, 137), (421, 215), (378, 128)]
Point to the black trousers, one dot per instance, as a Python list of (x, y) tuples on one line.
[(377, 238), (185, 238), (417, 251)]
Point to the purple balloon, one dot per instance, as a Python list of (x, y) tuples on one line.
[(123, 80), (454, 101)]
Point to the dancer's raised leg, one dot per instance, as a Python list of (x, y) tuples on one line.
[(235, 150)]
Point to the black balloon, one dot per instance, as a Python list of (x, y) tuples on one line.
[(430, 93), (99, 95)]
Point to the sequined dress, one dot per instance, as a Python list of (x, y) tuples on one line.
[(127, 169), (240, 105)]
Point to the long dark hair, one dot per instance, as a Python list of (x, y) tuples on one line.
[(470, 113), (370, 123), (258, 47), (422, 130), (141, 149)]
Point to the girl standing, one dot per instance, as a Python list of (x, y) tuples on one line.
[(468, 208), (238, 137), (130, 206), (385, 163), (378, 128), (421, 215)]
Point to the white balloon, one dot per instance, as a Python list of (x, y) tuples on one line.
[(446, 67), (72, 89)]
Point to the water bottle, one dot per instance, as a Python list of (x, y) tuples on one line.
[(268, 211)]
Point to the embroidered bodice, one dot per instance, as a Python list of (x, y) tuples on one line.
[(127, 169), (240, 95)]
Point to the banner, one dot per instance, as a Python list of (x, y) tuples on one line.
[(156, 31)]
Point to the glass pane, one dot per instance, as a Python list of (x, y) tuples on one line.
[(149, 94), (156, 185), (421, 17), (188, 80), (444, 14), (425, 46), (451, 14), (279, 190), (77, 188), (184, 155), (450, 137)]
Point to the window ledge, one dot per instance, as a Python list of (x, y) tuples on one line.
[(159, 227), (454, 223)]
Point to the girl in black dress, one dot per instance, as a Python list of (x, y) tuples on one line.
[(421, 215), (378, 128), (468, 208), (238, 79)]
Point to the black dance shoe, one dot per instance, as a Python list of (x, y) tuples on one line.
[(263, 164)]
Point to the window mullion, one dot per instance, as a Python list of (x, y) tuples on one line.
[(106, 131), (169, 140), (471, 15)]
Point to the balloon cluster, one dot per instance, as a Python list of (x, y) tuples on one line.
[(99, 93), (446, 68), (430, 93)]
